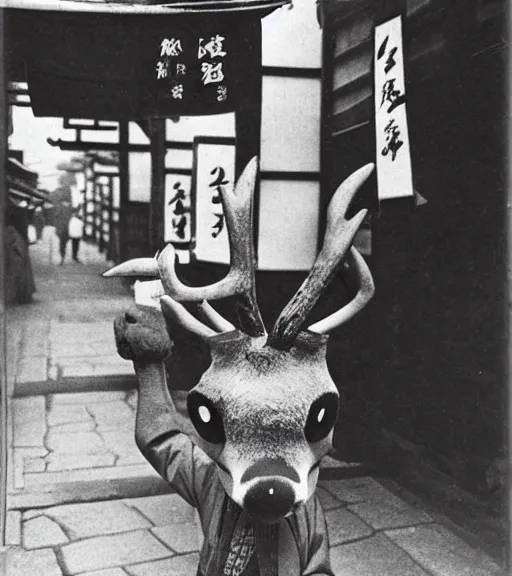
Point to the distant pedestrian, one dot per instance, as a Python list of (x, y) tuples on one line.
[(75, 232), (62, 216), (39, 222)]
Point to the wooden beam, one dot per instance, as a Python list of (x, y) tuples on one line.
[(124, 187), (157, 202), (289, 176), (81, 146), (248, 124), (95, 126), (291, 72), (3, 298), (326, 147)]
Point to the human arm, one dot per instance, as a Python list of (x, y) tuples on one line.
[(141, 336)]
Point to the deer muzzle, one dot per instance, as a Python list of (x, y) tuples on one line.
[(271, 494), (270, 499)]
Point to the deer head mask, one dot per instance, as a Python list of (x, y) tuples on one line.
[(264, 410)]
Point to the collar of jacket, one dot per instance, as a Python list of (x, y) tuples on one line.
[(286, 552)]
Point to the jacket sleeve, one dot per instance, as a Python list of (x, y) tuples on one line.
[(318, 561), (142, 336), (182, 464), (160, 438)]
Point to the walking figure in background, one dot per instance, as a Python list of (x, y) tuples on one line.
[(263, 412), (63, 213), (39, 222), (75, 232)]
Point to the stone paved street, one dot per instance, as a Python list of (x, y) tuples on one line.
[(76, 437), (84, 438), (64, 338), (157, 535)]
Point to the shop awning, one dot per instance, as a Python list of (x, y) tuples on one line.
[(137, 61), (148, 7), (22, 183), (18, 170)]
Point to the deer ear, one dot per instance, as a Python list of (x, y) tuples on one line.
[(312, 343)]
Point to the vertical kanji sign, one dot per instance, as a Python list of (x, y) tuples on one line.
[(394, 172), (177, 218), (214, 170)]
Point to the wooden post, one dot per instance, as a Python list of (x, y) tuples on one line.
[(124, 188), (157, 202), (104, 220), (3, 296), (326, 148), (248, 122), (111, 240), (95, 205)]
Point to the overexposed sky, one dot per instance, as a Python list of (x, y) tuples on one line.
[(29, 135)]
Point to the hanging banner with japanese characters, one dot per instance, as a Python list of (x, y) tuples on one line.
[(214, 170), (189, 68), (394, 173), (140, 67), (177, 217)]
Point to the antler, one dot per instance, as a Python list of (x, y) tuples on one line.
[(150, 294), (240, 280), (338, 239), (144, 267)]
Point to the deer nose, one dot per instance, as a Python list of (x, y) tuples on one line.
[(269, 500)]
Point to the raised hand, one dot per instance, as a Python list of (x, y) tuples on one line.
[(141, 336)]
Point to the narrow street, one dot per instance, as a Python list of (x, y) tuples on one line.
[(83, 501)]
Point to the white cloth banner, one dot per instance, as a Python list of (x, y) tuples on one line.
[(394, 172), (177, 217), (214, 170)]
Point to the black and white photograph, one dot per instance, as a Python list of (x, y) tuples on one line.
[(254, 288)]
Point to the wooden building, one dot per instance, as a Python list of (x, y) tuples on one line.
[(429, 387)]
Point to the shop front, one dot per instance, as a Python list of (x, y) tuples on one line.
[(429, 386)]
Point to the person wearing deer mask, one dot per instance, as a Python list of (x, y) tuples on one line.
[(262, 407)]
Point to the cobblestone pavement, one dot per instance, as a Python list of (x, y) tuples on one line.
[(82, 438), (372, 532), (78, 437), (64, 338)]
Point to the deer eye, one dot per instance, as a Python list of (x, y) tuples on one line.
[(321, 417), (205, 418)]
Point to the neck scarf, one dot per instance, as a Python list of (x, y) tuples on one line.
[(238, 540)]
